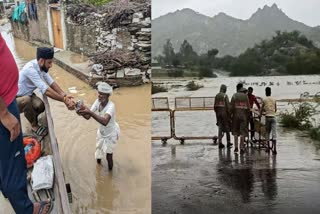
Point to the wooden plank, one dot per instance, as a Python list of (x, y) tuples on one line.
[(57, 161)]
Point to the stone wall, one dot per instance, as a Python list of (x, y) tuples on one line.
[(81, 39), (93, 31)]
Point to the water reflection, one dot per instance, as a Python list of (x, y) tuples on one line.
[(241, 172)]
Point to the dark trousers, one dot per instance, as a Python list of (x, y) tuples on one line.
[(13, 168), (252, 127)]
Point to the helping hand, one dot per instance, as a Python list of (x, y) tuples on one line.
[(69, 102), (84, 110)]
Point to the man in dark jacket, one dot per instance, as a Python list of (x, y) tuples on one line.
[(240, 111), (221, 107)]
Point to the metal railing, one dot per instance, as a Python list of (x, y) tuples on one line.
[(161, 104), (184, 104)]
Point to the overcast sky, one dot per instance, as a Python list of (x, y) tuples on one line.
[(306, 11)]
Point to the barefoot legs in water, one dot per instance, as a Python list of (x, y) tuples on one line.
[(110, 161)]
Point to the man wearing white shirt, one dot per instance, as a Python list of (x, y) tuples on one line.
[(35, 75)]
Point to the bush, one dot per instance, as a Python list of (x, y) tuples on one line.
[(289, 120), (192, 86), (205, 72), (158, 89), (300, 118), (315, 133), (175, 73)]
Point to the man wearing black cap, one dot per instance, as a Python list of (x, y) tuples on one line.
[(35, 75)]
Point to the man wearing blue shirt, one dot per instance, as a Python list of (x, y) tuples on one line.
[(35, 75)]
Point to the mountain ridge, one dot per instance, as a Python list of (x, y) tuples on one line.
[(231, 36)]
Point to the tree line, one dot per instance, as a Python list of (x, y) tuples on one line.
[(284, 54)]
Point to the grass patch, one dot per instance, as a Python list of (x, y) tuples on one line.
[(192, 86)]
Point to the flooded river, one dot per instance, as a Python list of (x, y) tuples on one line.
[(96, 190), (200, 178)]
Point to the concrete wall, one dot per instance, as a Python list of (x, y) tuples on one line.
[(34, 30)]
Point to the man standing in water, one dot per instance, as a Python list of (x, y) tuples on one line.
[(269, 107), (13, 167), (252, 100), (103, 111), (221, 107), (240, 110)]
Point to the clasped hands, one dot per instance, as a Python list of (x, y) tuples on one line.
[(69, 102)]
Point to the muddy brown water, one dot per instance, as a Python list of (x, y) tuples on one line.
[(96, 190)]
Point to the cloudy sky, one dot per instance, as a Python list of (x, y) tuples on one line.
[(306, 11)]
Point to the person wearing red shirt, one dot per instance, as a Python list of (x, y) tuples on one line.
[(252, 101), (13, 167)]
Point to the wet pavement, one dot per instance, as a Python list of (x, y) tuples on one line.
[(200, 178), (96, 190)]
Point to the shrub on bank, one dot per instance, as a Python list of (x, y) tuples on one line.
[(192, 86), (157, 89), (315, 133), (300, 118)]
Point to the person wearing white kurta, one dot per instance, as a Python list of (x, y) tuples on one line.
[(103, 111), (108, 135)]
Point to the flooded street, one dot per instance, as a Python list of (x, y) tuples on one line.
[(200, 178), (96, 190)]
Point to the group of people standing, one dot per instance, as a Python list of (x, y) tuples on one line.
[(236, 115)]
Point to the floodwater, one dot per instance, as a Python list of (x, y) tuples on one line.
[(200, 178), (127, 189)]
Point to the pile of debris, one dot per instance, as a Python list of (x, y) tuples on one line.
[(122, 32), (115, 60), (111, 15)]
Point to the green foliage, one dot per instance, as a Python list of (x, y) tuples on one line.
[(187, 55), (192, 86), (187, 59), (247, 64), (315, 133), (205, 71), (157, 89), (300, 118), (98, 2), (285, 53), (175, 72), (307, 63), (168, 54)]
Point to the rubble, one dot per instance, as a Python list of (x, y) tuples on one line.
[(123, 35)]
